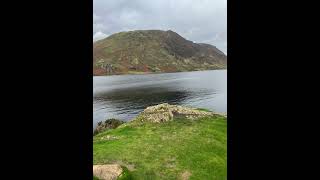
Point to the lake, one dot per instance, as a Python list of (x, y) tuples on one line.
[(125, 96)]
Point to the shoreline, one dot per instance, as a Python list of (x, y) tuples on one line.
[(163, 111), (149, 73)]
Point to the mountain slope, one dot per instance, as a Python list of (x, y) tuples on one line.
[(146, 51)]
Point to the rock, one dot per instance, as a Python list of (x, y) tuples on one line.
[(108, 124), (166, 112), (107, 171), (185, 175), (108, 138)]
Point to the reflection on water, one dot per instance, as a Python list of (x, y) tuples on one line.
[(124, 96)]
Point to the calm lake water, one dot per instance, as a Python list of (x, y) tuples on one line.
[(124, 96)]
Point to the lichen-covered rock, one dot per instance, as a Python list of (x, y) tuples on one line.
[(107, 171), (108, 124), (109, 138), (166, 112)]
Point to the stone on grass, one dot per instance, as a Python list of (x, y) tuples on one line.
[(107, 171)]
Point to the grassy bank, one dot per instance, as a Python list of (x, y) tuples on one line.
[(178, 149)]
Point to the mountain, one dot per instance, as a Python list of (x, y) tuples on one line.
[(147, 51)]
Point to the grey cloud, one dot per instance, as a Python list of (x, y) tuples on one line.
[(199, 21)]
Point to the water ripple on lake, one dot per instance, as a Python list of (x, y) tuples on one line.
[(125, 96)]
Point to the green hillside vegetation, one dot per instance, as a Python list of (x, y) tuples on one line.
[(153, 51)]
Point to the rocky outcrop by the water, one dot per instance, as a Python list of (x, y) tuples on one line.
[(157, 114), (108, 124), (107, 171), (166, 112)]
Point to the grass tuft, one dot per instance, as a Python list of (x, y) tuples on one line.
[(95, 178), (203, 109)]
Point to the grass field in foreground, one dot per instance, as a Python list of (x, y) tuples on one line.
[(173, 150)]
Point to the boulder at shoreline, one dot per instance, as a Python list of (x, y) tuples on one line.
[(166, 112)]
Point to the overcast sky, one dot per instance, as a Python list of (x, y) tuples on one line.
[(201, 21)]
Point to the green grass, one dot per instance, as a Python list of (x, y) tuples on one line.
[(167, 150), (126, 174), (203, 109), (95, 178)]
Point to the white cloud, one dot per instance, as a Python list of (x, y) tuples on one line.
[(198, 21), (99, 35)]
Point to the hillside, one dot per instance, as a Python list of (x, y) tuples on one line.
[(152, 51)]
